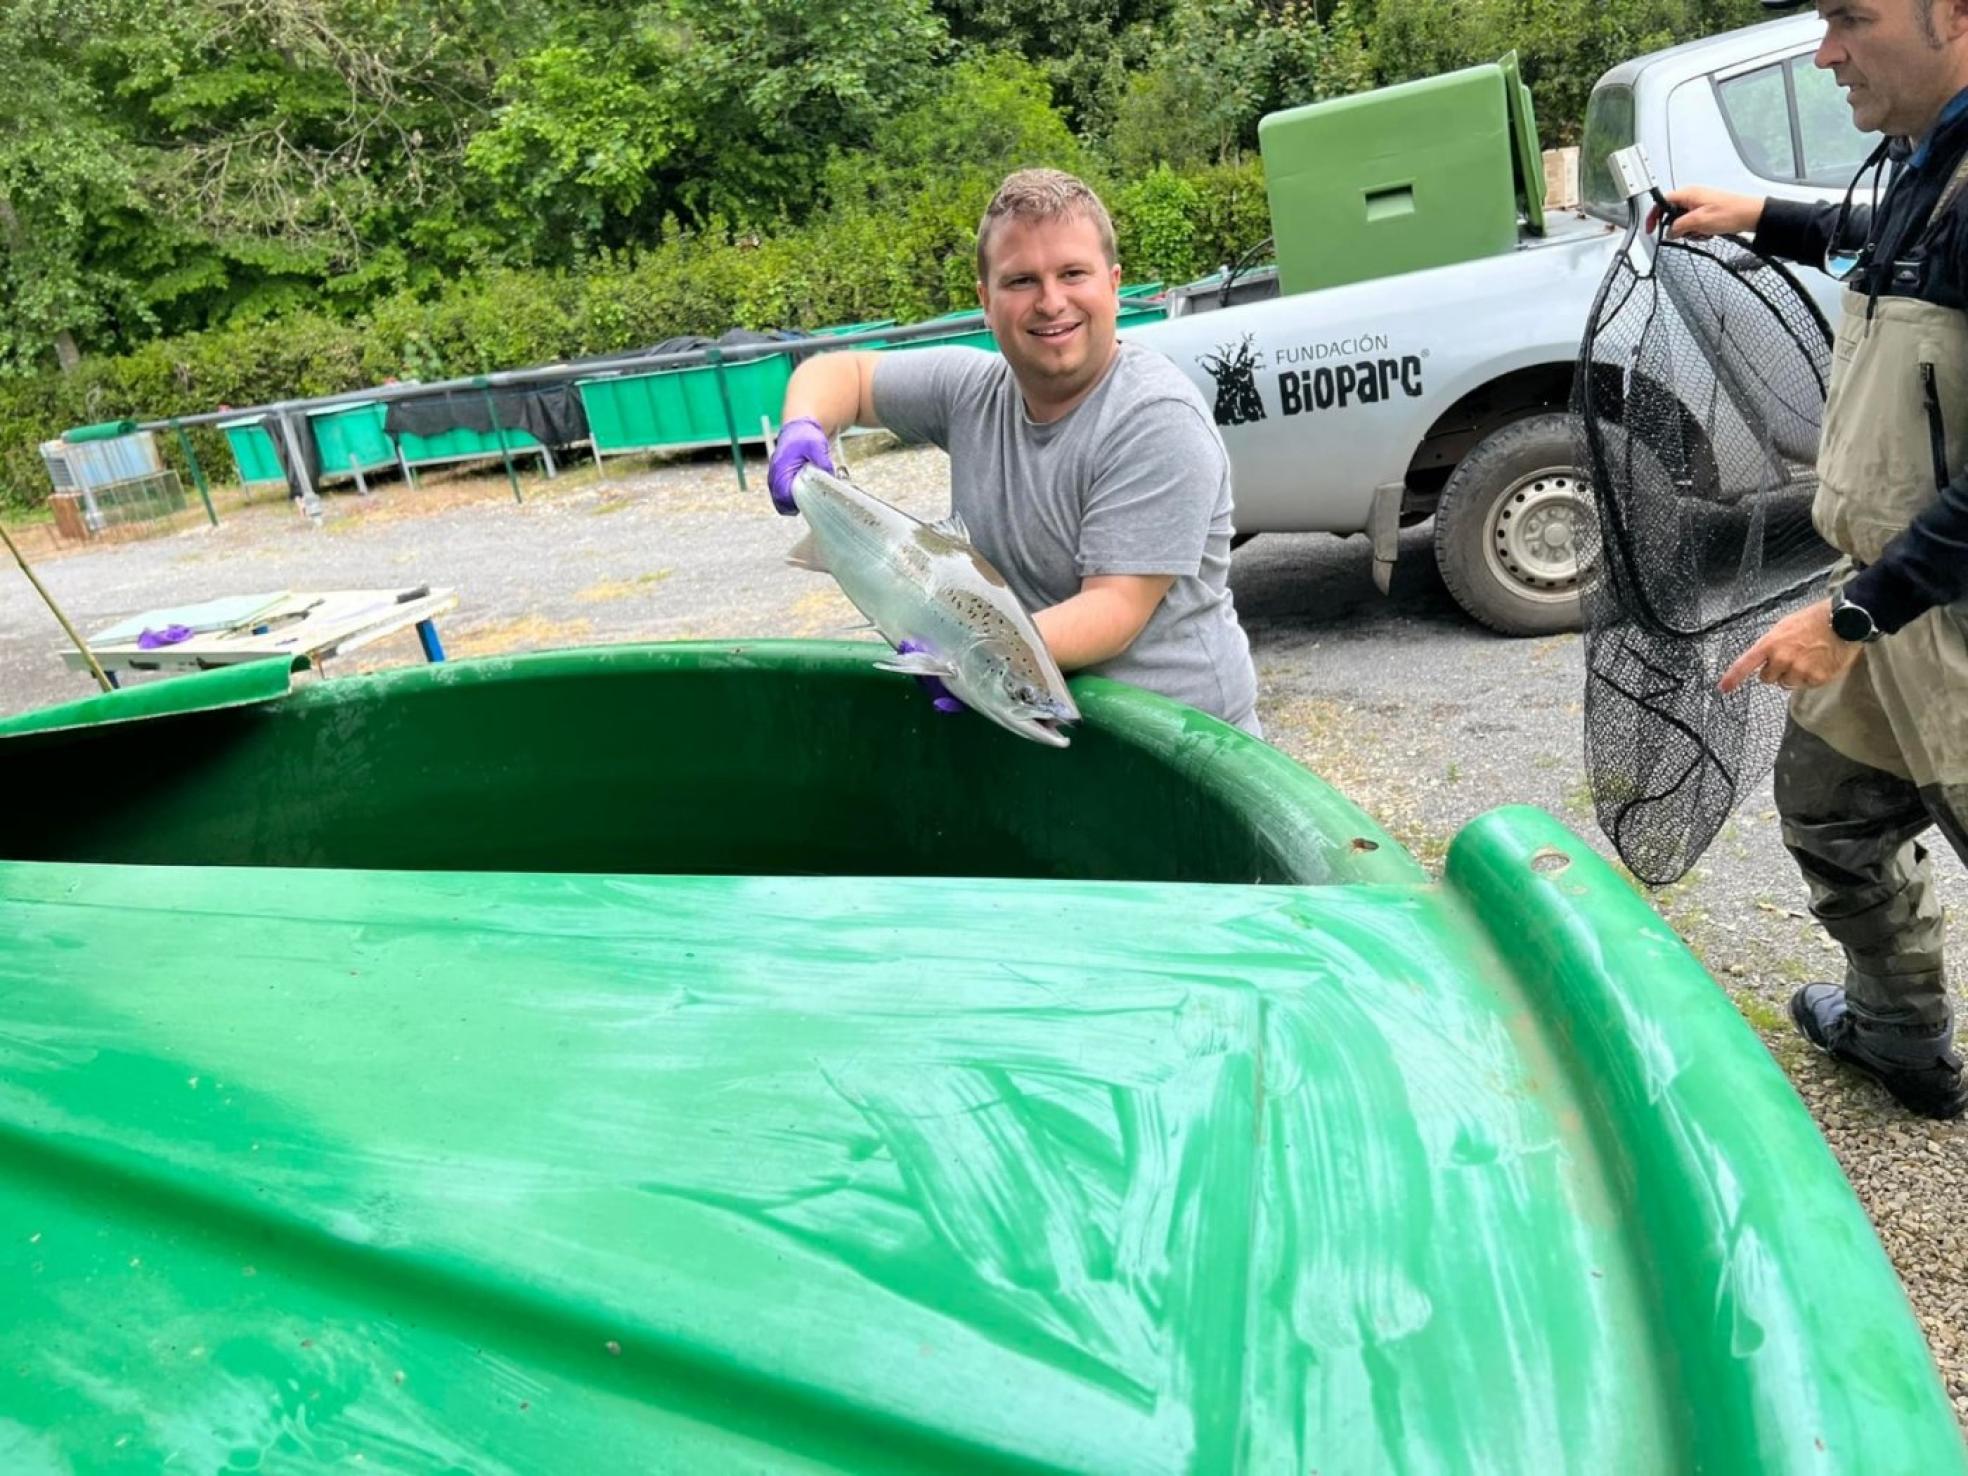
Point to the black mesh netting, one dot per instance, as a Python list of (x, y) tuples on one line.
[(1700, 387)]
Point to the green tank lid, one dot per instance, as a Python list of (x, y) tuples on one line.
[(106, 430)]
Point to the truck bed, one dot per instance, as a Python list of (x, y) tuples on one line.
[(1260, 283)]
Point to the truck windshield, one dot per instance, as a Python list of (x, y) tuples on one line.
[(1608, 129)]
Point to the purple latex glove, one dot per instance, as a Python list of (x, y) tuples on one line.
[(940, 697), (170, 635), (802, 442)]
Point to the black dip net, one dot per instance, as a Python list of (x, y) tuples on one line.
[(1700, 387)]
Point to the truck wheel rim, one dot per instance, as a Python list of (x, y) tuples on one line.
[(1531, 543)]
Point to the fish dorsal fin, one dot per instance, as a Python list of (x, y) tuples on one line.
[(806, 555), (951, 527)]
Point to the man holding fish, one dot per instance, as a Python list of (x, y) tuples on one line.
[(1088, 472)]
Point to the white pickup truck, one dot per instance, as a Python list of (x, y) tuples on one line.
[(1371, 406)]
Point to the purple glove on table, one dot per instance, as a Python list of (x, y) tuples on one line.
[(801, 442), (940, 697), (170, 635)]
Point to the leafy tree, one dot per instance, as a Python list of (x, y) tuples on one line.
[(782, 83), (577, 146), (1155, 219), (917, 193), (297, 141), (1082, 46), (699, 108), (168, 163), (1565, 45), (1224, 64), (1177, 226), (476, 180), (993, 114), (66, 179)]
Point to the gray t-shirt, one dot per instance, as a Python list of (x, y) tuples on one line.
[(1134, 480)]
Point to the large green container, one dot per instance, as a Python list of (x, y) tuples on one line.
[(673, 409), (461, 443), (757, 388), (1418, 175), (350, 439), (711, 1058), (252, 452), (1141, 806)]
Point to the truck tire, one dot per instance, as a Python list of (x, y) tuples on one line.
[(1507, 528)]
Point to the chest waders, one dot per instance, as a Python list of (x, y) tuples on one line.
[(1870, 761)]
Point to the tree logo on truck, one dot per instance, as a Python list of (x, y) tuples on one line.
[(1234, 367)]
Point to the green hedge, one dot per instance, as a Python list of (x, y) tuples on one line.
[(849, 266)]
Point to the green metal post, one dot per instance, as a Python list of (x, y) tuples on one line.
[(197, 471), (730, 420), (505, 450)]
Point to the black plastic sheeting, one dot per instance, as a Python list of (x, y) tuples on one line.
[(550, 413), (304, 438)]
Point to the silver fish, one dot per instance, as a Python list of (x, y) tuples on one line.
[(927, 590)]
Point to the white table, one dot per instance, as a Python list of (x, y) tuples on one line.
[(314, 625)]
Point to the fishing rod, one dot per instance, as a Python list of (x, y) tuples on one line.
[(95, 667)]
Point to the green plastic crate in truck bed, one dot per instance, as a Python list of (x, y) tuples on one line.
[(1419, 175)]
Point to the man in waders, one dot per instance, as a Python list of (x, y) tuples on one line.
[(1876, 749)]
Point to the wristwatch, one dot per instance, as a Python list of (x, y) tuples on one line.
[(1850, 622)]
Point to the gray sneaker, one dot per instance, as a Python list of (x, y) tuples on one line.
[(1920, 1068)]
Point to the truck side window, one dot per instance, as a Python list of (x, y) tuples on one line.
[(1833, 147), (1608, 129), (1757, 106)]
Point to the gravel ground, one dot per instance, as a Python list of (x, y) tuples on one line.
[(1404, 704)]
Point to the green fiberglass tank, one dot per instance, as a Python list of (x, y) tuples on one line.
[(709, 1058), (675, 409), (351, 439), (1422, 174), (463, 443), (251, 441)]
